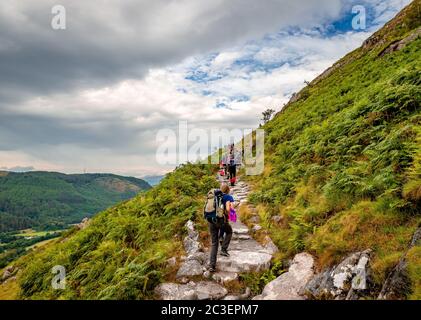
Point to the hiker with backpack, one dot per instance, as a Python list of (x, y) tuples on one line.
[(218, 206), (232, 166)]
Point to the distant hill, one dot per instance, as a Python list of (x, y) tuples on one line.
[(153, 180), (50, 200)]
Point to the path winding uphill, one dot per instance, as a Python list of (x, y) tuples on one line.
[(246, 255)]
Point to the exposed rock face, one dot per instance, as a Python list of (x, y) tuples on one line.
[(289, 285), (398, 284), (348, 280), (8, 273), (399, 45), (204, 290), (83, 224)]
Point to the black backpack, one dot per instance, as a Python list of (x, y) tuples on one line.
[(214, 208)]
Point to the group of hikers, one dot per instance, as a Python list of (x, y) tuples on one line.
[(228, 165), (220, 210)]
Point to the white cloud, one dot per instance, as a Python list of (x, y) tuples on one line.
[(112, 127)]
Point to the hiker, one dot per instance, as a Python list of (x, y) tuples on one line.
[(232, 167), (220, 225)]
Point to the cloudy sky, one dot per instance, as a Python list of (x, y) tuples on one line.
[(92, 97)]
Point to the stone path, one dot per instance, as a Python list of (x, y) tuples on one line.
[(246, 255)]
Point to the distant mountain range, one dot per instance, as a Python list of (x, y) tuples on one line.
[(153, 180), (50, 200)]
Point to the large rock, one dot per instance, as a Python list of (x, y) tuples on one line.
[(288, 285), (348, 280), (206, 290), (8, 272), (190, 268), (191, 231), (174, 291), (270, 247), (203, 290), (191, 246), (398, 283)]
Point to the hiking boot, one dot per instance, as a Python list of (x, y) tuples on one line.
[(224, 253), (212, 270)]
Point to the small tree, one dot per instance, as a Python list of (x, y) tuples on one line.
[(267, 115)]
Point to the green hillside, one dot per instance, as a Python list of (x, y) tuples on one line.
[(343, 161), (49, 200), (342, 169)]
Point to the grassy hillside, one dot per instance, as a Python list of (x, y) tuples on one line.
[(122, 254), (49, 200), (343, 162), (343, 170)]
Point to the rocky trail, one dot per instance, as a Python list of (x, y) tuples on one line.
[(349, 280), (246, 255)]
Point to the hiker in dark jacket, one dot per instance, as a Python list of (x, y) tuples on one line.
[(221, 226)]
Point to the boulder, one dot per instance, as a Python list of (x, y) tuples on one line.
[(8, 272), (174, 291), (270, 247), (191, 246), (201, 257), (289, 285), (347, 281), (190, 268), (398, 284), (192, 233)]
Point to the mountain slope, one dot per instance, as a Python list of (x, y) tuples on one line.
[(342, 173), (122, 253), (50, 200), (343, 158)]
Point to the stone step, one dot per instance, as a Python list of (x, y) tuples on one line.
[(203, 290), (244, 261)]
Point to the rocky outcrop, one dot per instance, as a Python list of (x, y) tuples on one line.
[(398, 284), (349, 280), (8, 273), (193, 264), (399, 45), (83, 224), (289, 285)]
